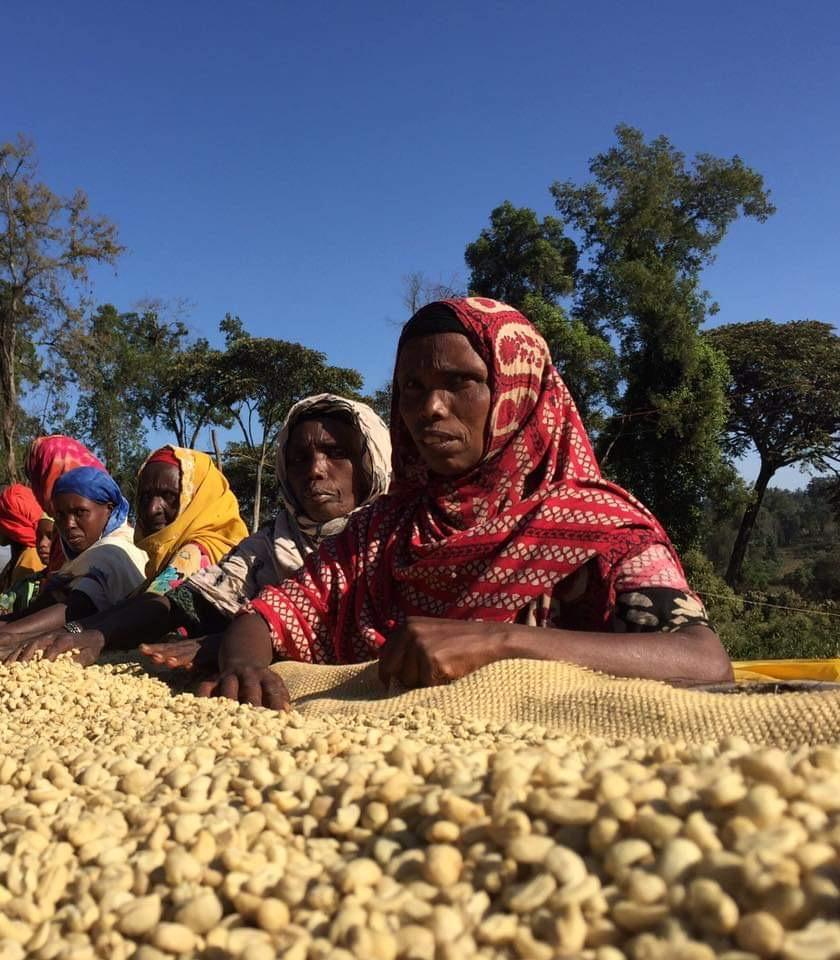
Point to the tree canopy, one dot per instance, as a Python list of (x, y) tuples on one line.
[(784, 399), (47, 244), (648, 222)]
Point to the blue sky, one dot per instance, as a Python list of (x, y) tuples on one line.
[(292, 162)]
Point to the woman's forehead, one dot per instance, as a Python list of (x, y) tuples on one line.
[(159, 474), (440, 351), (72, 501), (322, 429)]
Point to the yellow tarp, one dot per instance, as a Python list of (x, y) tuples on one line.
[(787, 670)]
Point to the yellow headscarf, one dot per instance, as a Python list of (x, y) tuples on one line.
[(208, 513)]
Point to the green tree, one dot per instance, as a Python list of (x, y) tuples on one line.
[(192, 393), (648, 224), (112, 361), (262, 378), (519, 255), (784, 400), (530, 264), (381, 401), (47, 243)]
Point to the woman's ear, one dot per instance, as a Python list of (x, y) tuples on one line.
[(110, 507)]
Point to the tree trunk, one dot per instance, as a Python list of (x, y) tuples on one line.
[(255, 523), (742, 541), (8, 388), (216, 449)]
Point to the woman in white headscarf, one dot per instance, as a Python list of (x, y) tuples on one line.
[(318, 426)]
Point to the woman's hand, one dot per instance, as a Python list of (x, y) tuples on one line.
[(86, 647), (257, 686), (426, 652), (199, 653)]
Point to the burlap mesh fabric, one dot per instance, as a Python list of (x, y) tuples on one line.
[(572, 701)]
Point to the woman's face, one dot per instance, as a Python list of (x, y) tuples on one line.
[(43, 540), (158, 496), (79, 520), (444, 401), (324, 468)]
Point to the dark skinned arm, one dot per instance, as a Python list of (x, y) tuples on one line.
[(119, 628), (245, 654), (426, 651), (23, 639)]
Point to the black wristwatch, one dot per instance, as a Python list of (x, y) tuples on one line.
[(73, 626)]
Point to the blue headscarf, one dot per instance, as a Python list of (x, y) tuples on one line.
[(96, 485)]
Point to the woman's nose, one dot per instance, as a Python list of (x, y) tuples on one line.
[(317, 465), (434, 405)]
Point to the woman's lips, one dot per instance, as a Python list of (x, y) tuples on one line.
[(437, 438)]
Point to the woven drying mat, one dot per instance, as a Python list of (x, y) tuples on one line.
[(573, 701)]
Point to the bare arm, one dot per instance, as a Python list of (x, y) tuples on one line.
[(118, 628), (426, 651), (132, 622), (245, 654)]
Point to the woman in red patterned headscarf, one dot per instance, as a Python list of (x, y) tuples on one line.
[(498, 524), (47, 460)]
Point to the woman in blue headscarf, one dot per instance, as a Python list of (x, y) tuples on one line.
[(102, 565)]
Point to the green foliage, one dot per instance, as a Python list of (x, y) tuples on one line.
[(648, 224), (113, 358), (518, 255), (260, 379), (768, 624), (191, 393), (47, 243), (784, 399), (531, 264), (664, 445), (586, 361), (241, 467), (381, 401), (785, 390)]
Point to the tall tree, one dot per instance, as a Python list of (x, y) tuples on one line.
[(530, 264), (47, 244), (263, 377), (191, 393), (649, 223), (784, 400)]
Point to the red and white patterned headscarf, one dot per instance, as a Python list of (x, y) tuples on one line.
[(482, 546)]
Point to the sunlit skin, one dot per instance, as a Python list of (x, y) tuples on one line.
[(43, 540), (79, 520), (158, 496), (324, 468), (444, 401)]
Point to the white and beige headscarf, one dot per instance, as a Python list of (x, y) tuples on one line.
[(279, 548)]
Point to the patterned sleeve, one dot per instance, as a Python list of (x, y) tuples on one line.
[(191, 558), (652, 594), (304, 613)]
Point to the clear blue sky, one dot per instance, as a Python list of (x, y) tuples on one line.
[(291, 162)]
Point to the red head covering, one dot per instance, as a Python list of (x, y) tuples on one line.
[(477, 547), (164, 455), (50, 457), (19, 514)]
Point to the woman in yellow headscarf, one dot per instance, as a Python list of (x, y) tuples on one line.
[(187, 516)]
